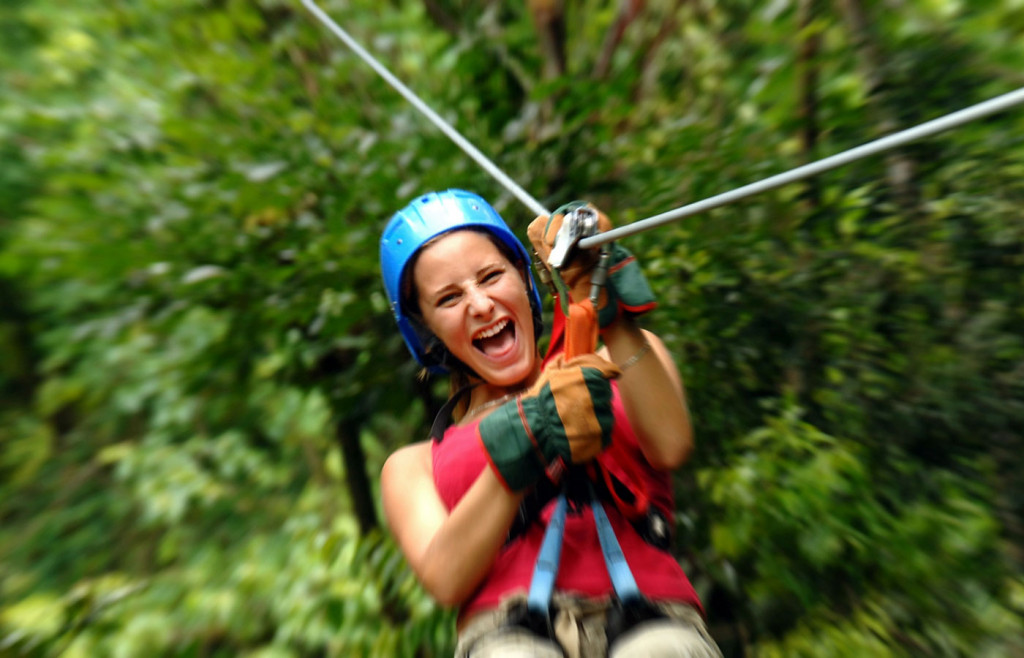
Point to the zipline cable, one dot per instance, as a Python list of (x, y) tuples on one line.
[(927, 129), (453, 134)]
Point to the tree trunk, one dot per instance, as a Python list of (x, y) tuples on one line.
[(808, 90), (441, 17), (549, 20), (646, 73), (628, 10), (347, 433), (900, 168)]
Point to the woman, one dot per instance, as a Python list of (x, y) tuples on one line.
[(465, 302)]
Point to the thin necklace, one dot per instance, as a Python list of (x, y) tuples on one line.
[(487, 405)]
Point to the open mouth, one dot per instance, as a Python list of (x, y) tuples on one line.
[(496, 339)]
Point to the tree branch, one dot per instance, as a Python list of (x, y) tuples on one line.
[(549, 21), (347, 432), (665, 30), (900, 168), (808, 91), (628, 11), (442, 18)]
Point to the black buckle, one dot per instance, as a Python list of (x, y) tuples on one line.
[(534, 621), (655, 529), (625, 615)]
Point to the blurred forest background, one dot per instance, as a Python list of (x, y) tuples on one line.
[(200, 377)]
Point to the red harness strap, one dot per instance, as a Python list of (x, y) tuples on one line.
[(577, 335)]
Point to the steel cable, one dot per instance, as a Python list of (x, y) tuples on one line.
[(927, 129), (958, 118), (436, 119)]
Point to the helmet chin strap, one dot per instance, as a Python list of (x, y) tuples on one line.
[(435, 348)]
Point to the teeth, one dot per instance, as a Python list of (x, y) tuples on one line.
[(491, 331)]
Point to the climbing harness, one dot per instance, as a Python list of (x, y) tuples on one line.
[(625, 491), (955, 119), (576, 489), (629, 606)]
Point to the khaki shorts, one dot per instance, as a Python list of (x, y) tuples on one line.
[(579, 627)]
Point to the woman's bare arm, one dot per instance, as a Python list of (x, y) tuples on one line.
[(450, 552), (652, 392)]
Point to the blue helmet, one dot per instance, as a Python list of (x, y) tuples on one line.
[(427, 217)]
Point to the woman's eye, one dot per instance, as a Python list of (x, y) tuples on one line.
[(492, 275), (445, 300)]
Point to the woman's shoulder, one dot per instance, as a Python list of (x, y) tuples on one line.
[(408, 460)]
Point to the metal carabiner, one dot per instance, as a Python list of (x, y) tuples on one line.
[(577, 224)]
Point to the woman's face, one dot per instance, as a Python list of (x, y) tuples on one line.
[(475, 300)]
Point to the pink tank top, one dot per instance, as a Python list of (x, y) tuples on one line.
[(459, 459)]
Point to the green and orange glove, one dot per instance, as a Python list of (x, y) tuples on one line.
[(566, 414), (626, 290)]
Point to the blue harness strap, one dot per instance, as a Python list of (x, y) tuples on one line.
[(544, 572), (542, 585), (614, 559)]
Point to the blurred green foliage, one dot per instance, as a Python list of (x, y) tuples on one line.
[(201, 377)]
